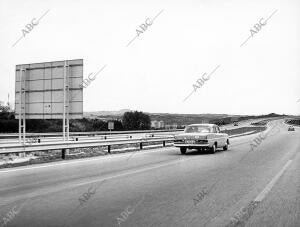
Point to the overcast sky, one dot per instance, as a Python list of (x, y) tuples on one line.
[(157, 71)]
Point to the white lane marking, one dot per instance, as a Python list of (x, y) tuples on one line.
[(131, 172), (239, 216), (35, 194), (268, 188), (105, 157), (241, 134)]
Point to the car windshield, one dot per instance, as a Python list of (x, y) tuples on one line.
[(199, 129)]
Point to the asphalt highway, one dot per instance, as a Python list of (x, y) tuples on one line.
[(161, 187)]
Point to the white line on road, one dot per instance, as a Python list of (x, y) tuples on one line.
[(242, 215), (132, 172), (105, 158), (100, 179), (268, 188)]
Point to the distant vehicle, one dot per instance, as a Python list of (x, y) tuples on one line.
[(291, 128), (202, 136), (236, 124)]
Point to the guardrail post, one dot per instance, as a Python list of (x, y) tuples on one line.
[(108, 149), (63, 153), (164, 143), (141, 145)]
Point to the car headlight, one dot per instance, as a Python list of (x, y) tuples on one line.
[(202, 141)]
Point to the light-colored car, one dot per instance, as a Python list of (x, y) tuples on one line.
[(201, 136)]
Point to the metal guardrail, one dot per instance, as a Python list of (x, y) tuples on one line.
[(31, 140), (57, 139), (94, 133), (64, 146)]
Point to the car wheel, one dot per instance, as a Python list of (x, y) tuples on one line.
[(213, 149), (225, 148), (183, 150)]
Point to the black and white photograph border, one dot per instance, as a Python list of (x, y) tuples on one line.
[(149, 113)]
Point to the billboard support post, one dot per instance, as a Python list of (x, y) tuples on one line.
[(66, 103), (22, 111)]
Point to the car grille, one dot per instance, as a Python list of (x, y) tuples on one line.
[(190, 141), (202, 141)]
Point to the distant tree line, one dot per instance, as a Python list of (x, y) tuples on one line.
[(129, 121), (136, 121), (132, 120), (294, 121)]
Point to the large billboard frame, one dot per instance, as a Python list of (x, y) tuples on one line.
[(23, 92)]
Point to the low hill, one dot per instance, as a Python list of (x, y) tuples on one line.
[(180, 119)]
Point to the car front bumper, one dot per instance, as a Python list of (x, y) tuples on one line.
[(192, 145)]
